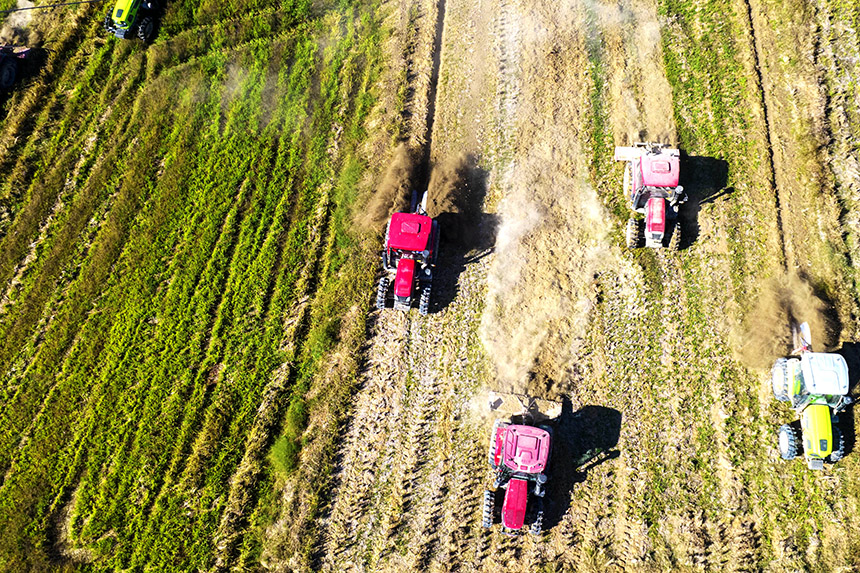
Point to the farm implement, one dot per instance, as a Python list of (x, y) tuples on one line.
[(408, 259), (651, 175), (816, 386), (132, 19), (519, 455), (11, 58)]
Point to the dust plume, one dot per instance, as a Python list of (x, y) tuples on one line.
[(455, 199), (551, 245), (765, 333), (394, 193), (15, 28)]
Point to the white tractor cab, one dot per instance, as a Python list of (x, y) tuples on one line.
[(816, 386)]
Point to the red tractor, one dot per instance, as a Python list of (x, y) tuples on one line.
[(519, 456), (10, 60), (411, 248), (651, 177)]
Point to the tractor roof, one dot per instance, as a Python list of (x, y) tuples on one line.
[(409, 231), (661, 169), (526, 449), (824, 373)]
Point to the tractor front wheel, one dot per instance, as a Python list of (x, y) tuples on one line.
[(537, 527), (632, 233), (628, 180), (488, 509), (788, 449), (7, 73), (382, 293), (424, 303), (146, 29), (838, 446), (675, 240)]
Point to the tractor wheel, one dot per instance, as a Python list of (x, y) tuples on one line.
[(108, 23), (632, 233), (628, 181), (381, 293), (787, 442), (146, 29), (838, 446), (424, 303), (488, 509), (537, 527), (7, 73), (491, 451), (675, 240)]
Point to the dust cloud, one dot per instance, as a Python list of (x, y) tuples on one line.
[(394, 193), (551, 244), (455, 199), (765, 334), (15, 28)]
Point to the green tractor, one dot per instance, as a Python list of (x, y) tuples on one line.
[(132, 18), (816, 386)]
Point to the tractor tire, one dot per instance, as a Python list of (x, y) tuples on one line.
[(424, 303), (146, 29), (632, 233), (491, 451), (628, 181), (536, 528), (675, 239), (382, 293), (8, 70), (838, 446), (788, 442), (108, 22), (488, 508)]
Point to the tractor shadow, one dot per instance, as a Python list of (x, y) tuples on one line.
[(583, 440), (851, 352), (704, 179), (467, 233)]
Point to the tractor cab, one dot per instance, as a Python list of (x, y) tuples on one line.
[(813, 377)]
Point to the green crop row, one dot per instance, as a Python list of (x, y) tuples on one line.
[(175, 271)]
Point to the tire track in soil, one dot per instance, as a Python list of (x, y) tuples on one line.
[(414, 513)]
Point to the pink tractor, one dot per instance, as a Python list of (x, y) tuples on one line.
[(411, 246), (651, 178), (519, 456)]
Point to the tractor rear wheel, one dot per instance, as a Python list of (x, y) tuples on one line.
[(7, 72), (488, 509), (787, 442), (632, 233), (838, 446), (381, 293), (146, 29), (675, 240), (628, 181), (424, 303)]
